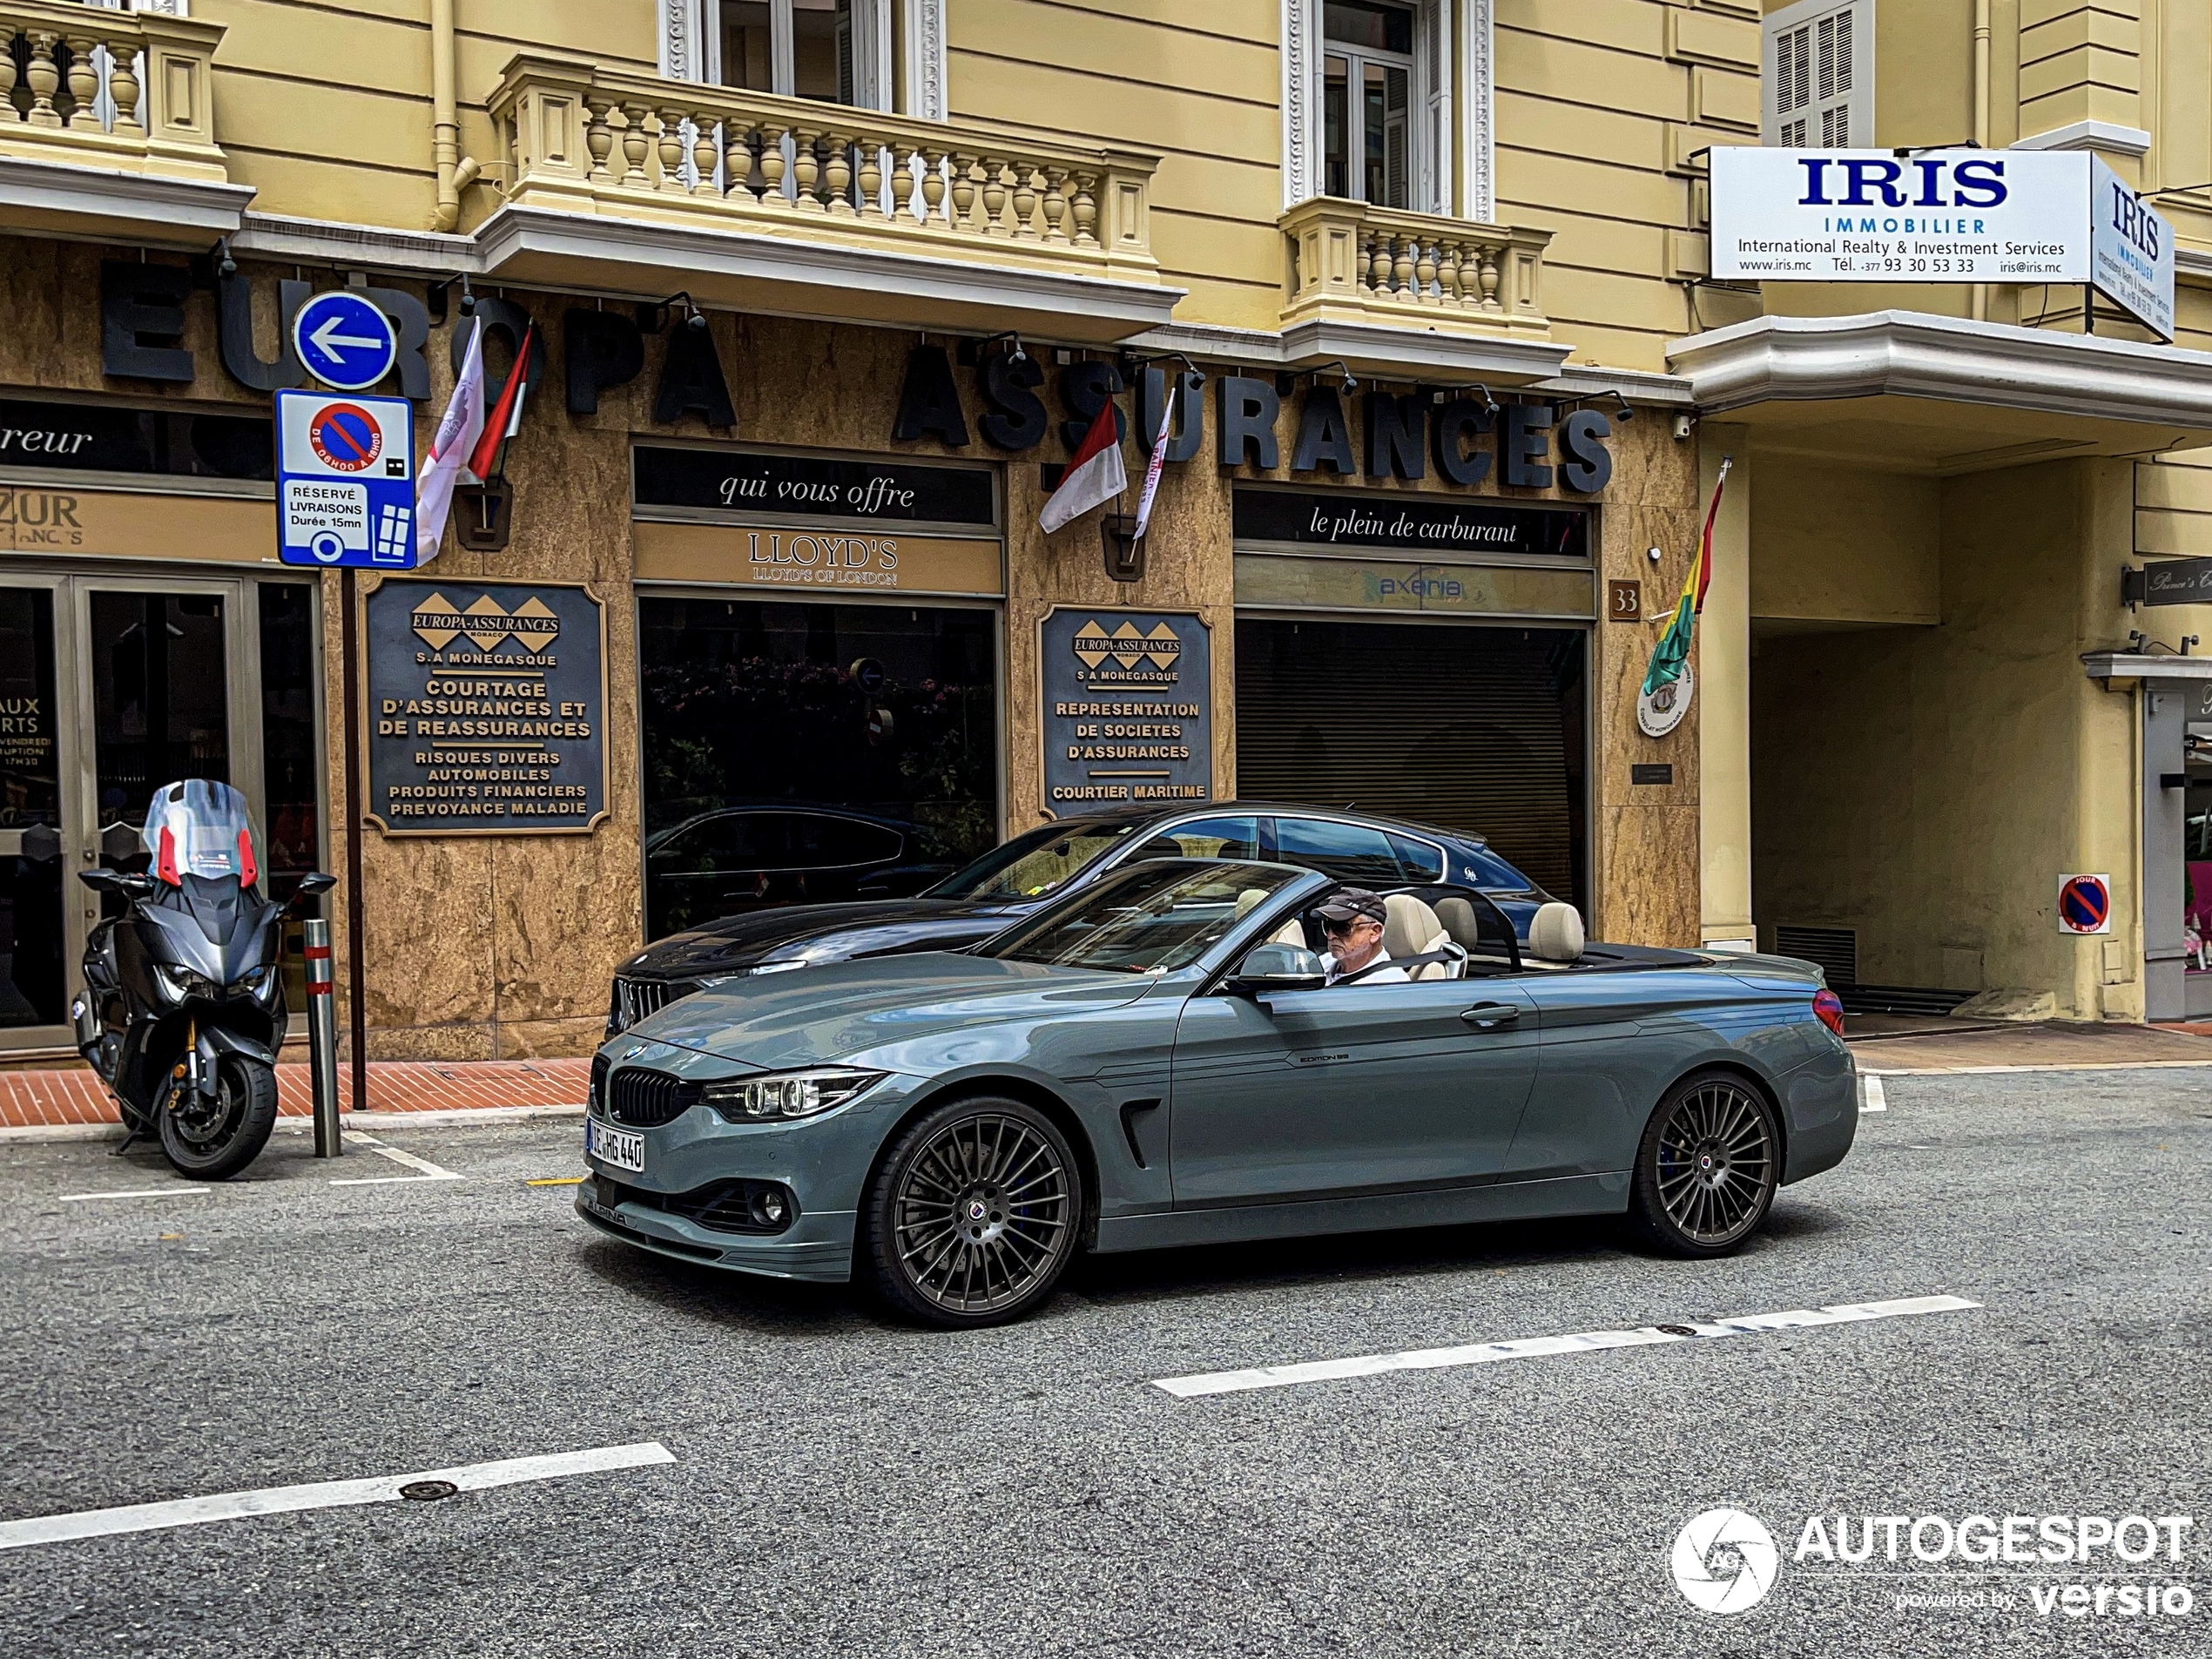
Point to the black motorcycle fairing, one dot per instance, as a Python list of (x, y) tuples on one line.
[(210, 926)]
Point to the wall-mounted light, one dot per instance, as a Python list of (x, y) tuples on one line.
[(1015, 355), (1653, 554), (1682, 423), (1286, 381)]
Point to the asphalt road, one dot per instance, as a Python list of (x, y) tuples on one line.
[(844, 1487)]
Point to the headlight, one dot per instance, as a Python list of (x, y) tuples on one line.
[(182, 982), (780, 968), (789, 1093), (253, 984)]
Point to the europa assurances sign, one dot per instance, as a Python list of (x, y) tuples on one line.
[(1128, 707), (2021, 216), (487, 708)]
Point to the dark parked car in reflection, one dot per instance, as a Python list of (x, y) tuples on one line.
[(1019, 876), (725, 860)]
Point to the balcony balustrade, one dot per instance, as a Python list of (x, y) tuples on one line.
[(585, 139), (1354, 262), (122, 91)]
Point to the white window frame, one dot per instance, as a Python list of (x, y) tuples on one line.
[(1451, 90), (1801, 126), (691, 47)]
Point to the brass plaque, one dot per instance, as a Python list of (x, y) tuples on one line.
[(828, 562)]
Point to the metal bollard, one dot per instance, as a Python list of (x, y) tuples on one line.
[(322, 1037)]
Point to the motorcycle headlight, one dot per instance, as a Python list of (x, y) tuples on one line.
[(253, 984), (789, 1094), (182, 983)]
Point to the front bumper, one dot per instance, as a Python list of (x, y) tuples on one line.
[(817, 1246)]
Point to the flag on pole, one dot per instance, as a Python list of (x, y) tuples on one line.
[(506, 417), (1093, 478), (450, 448), (1152, 466), (1673, 649)]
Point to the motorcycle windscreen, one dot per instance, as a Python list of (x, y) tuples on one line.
[(201, 828)]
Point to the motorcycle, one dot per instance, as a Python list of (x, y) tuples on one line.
[(183, 1007)]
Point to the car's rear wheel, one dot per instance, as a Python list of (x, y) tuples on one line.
[(973, 1215), (1707, 1168)]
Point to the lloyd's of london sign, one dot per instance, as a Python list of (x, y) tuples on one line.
[(2014, 216)]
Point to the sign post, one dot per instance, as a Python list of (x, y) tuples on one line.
[(322, 1038)]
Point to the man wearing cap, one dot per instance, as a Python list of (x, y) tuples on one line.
[(1353, 921)]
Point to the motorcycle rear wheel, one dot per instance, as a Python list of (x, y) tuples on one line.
[(212, 1140)]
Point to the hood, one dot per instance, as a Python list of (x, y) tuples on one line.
[(844, 1010), (818, 933)]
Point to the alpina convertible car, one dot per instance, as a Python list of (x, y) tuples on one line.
[(1156, 1060)]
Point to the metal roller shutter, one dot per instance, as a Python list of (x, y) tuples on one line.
[(1475, 729)]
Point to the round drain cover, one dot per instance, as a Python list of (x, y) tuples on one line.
[(428, 1491)]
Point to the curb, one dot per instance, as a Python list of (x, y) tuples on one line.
[(483, 1116), (2077, 1065)]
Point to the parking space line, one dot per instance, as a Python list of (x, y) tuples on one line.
[(430, 1171), (326, 1494), (1231, 1382), (145, 1192), (1872, 1096)]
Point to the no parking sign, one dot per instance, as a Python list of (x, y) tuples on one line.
[(2085, 904), (345, 479)]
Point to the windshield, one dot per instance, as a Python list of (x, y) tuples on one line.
[(1034, 863), (1154, 918), (200, 827)]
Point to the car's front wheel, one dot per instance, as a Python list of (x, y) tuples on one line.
[(973, 1215), (1707, 1168)]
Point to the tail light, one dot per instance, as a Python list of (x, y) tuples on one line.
[(1829, 1007)]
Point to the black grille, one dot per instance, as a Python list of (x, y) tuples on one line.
[(724, 1206), (597, 1098), (643, 1099), (636, 998)]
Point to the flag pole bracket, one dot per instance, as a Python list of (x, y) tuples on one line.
[(483, 515), (1124, 548)]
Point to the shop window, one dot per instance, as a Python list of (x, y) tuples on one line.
[(1817, 89), (803, 753), (1368, 105), (32, 867)]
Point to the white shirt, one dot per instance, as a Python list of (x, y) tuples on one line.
[(1371, 972)]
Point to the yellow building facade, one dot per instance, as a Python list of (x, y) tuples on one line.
[(819, 298)]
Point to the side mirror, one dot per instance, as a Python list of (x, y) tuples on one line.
[(119, 881), (315, 883), (1279, 968)]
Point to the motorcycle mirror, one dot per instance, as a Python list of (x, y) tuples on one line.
[(121, 881), (316, 882)]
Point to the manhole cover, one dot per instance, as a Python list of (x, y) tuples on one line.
[(428, 1491), (1676, 1330)]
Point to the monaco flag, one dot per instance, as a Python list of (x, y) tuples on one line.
[(451, 450), (1093, 478)]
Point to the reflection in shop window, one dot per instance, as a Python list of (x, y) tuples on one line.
[(291, 831), (803, 753), (31, 867)]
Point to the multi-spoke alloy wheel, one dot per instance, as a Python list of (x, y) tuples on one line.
[(974, 1215), (1707, 1171)]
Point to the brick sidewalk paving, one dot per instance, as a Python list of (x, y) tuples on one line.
[(48, 1099)]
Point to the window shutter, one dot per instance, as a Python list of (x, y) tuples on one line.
[(1432, 143), (1819, 86)]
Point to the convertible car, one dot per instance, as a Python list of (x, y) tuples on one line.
[(1156, 1060), (1038, 867)]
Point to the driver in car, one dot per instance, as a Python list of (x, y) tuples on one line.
[(1353, 921)]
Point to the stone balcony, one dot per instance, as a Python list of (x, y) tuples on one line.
[(629, 182), (107, 125), (1360, 277)]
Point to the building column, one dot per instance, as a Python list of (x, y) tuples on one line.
[(1724, 691)]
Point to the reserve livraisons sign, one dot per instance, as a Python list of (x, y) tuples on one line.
[(1128, 708), (487, 708)]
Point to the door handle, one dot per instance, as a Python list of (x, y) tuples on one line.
[(1484, 1016)]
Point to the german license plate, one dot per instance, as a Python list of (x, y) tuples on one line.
[(622, 1148)]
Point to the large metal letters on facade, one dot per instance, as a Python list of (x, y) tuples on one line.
[(487, 708), (1128, 707)]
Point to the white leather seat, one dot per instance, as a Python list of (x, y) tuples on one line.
[(1292, 932), (1247, 898), (1554, 935), (1410, 928), (1458, 917)]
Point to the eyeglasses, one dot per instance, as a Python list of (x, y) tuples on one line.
[(1338, 929)]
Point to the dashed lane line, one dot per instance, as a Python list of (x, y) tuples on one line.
[(1232, 1382), (142, 1193), (324, 1494)]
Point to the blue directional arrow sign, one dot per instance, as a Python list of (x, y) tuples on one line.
[(344, 341)]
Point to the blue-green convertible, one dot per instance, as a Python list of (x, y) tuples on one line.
[(1157, 1061)]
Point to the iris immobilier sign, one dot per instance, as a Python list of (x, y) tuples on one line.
[(2014, 216)]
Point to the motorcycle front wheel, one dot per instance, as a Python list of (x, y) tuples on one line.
[(212, 1137)]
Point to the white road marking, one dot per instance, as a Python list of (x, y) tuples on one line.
[(430, 1171), (325, 1495), (1872, 1098), (147, 1193), (1231, 1382)]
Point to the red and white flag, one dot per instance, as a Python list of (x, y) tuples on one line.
[(1152, 466), (506, 416), (451, 447), (1093, 478)]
